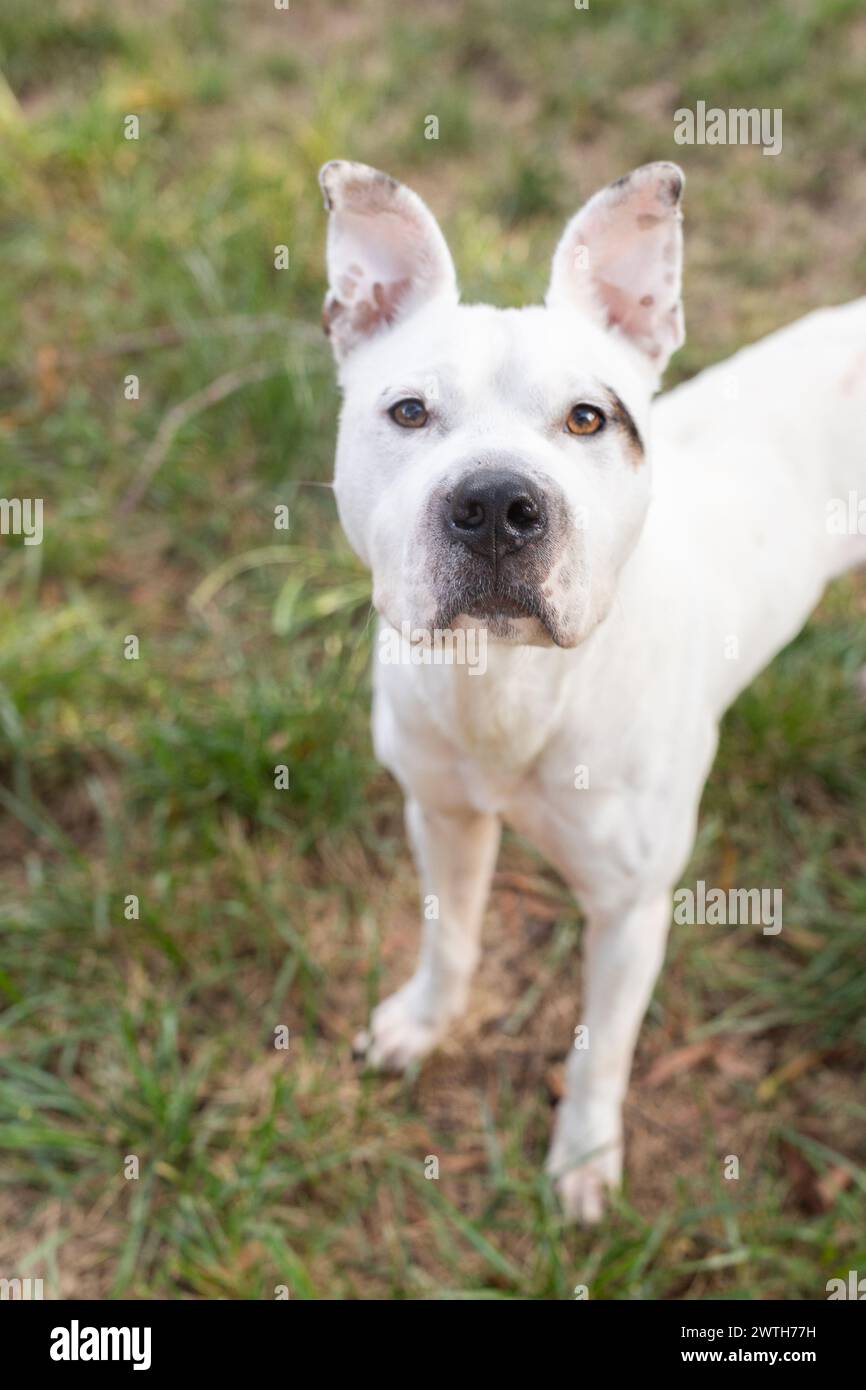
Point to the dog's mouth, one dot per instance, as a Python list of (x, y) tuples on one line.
[(503, 609)]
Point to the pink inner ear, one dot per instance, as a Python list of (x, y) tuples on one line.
[(630, 270), (635, 273), (384, 257), (619, 305), (381, 248), (379, 262), (371, 311)]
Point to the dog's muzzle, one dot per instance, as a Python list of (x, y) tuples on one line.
[(496, 536)]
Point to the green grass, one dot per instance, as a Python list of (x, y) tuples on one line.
[(259, 907)]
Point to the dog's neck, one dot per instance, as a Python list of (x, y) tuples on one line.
[(504, 716)]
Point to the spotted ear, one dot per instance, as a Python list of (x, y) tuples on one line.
[(620, 261), (386, 254)]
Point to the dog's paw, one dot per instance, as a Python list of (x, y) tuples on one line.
[(584, 1189), (401, 1032)]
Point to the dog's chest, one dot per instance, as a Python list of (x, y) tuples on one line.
[(497, 725), (496, 728)]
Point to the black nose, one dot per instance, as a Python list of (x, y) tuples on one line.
[(496, 512)]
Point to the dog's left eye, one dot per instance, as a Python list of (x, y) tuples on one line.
[(584, 419), (411, 414)]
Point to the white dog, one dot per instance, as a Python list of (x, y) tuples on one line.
[(493, 471)]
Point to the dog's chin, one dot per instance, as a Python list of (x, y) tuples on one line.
[(518, 629)]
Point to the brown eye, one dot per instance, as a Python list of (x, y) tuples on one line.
[(584, 419), (411, 414)]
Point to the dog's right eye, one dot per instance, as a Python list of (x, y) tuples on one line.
[(411, 414)]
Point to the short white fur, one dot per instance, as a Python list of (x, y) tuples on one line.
[(719, 532)]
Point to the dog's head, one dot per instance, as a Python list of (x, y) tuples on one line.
[(491, 463)]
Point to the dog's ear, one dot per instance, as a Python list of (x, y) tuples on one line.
[(386, 254), (620, 261)]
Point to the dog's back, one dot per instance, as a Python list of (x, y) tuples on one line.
[(760, 474)]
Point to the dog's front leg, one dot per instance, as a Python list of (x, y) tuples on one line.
[(623, 955), (455, 852)]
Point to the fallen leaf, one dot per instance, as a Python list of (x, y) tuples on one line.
[(832, 1183), (554, 1079), (533, 884), (48, 380), (803, 1179), (793, 1069), (736, 1065), (683, 1059), (477, 1162)]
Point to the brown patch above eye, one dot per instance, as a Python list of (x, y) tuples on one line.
[(622, 417)]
